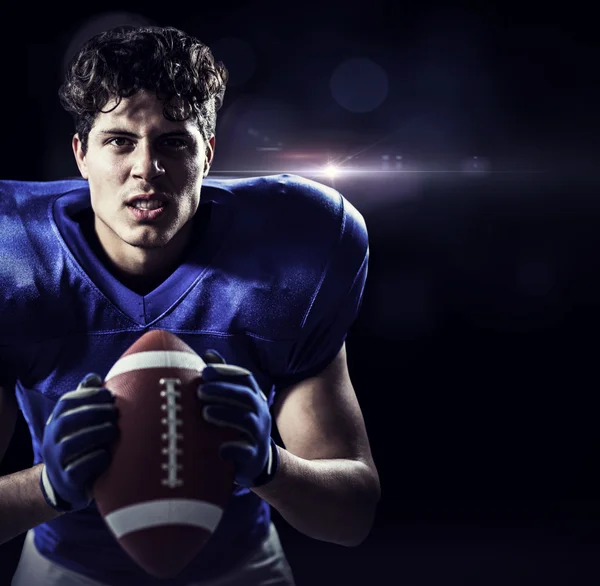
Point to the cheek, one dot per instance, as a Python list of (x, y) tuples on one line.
[(190, 172), (105, 179), (106, 175), (188, 180), (113, 168), (104, 171)]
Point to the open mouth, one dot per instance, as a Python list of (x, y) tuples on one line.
[(151, 204), (147, 210)]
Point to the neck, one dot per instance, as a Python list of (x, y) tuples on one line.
[(140, 269)]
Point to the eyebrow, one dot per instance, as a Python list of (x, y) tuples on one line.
[(175, 133)]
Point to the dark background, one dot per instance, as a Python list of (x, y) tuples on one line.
[(475, 354)]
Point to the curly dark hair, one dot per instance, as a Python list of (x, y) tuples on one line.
[(119, 62)]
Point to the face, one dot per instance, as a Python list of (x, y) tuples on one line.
[(134, 150)]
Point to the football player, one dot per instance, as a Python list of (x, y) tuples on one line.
[(265, 274)]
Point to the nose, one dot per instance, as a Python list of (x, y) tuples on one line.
[(147, 164)]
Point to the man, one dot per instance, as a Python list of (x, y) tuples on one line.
[(266, 274)]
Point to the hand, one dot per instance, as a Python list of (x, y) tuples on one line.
[(76, 444), (235, 400)]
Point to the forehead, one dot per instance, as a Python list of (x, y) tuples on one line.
[(142, 111)]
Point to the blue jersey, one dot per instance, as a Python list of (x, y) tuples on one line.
[(272, 279)]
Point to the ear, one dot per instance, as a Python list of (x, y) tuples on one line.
[(210, 153), (79, 156)]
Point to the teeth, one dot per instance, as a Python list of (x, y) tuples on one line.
[(152, 204)]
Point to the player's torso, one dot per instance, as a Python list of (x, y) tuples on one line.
[(244, 291)]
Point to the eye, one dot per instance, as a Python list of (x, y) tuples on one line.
[(175, 143), (113, 141)]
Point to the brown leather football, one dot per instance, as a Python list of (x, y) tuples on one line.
[(165, 490)]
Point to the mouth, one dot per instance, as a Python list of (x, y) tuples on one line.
[(149, 202), (147, 207)]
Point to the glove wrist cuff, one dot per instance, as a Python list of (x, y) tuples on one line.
[(270, 469), (50, 495)]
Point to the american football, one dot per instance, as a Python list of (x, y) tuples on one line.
[(165, 491)]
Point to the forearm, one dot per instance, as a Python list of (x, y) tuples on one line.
[(22, 504), (329, 500)]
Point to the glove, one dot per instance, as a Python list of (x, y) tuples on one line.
[(76, 444), (235, 400)]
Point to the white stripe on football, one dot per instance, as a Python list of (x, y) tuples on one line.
[(156, 359), (157, 513)]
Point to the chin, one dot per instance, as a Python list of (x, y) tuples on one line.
[(149, 238)]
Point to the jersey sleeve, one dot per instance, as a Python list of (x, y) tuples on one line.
[(335, 304)]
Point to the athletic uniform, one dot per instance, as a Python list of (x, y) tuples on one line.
[(272, 279)]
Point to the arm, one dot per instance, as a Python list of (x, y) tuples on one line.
[(327, 485), (22, 505)]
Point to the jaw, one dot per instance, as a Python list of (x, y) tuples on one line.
[(142, 249)]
